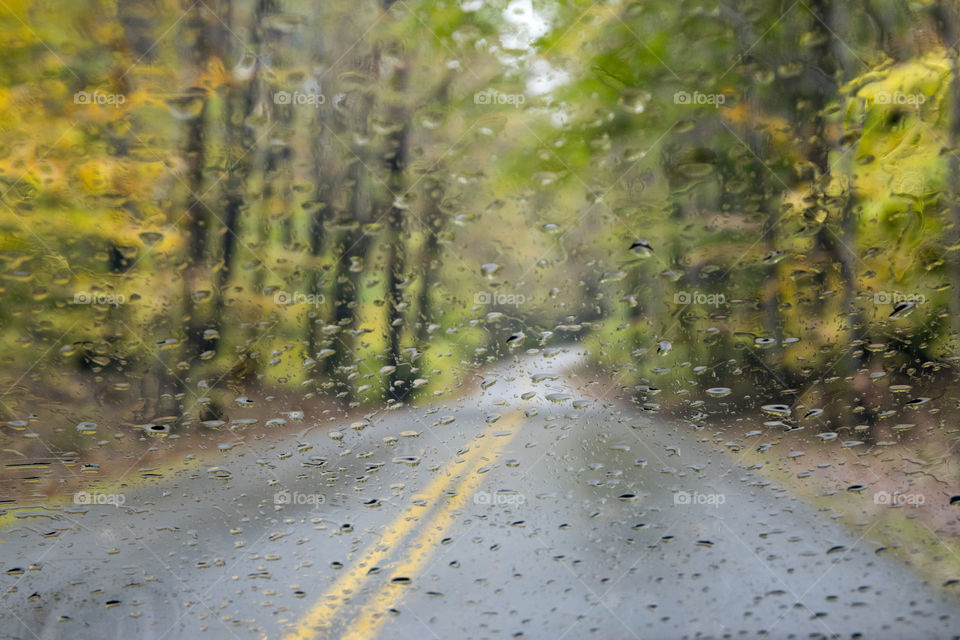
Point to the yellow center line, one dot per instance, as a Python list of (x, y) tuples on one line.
[(320, 616), (373, 616)]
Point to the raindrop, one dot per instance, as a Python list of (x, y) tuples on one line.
[(774, 257), (87, 428), (157, 430), (777, 409), (634, 100), (186, 106), (540, 377), (641, 248), (903, 309), (151, 237), (612, 276), (490, 269)]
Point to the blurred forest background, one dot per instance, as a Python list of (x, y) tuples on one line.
[(349, 205)]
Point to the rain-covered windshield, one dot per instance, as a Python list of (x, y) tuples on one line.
[(479, 319)]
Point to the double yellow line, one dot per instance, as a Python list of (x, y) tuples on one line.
[(372, 617)]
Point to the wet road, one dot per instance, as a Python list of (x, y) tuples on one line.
[(498, 515)]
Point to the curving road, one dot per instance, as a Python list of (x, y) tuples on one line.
[(500, 515)]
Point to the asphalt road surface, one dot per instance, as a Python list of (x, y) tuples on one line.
[(493, 516)]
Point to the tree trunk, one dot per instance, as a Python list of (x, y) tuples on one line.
[(396, 254), (947, 21)]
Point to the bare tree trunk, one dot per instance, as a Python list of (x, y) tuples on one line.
[(834, 63), (195, 220), (351, 252), (240, 100), (433, 218), (947, 21), (761, 189), (318, 217), (429, 259), (396, 255), (314, 279), (353, 244)]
